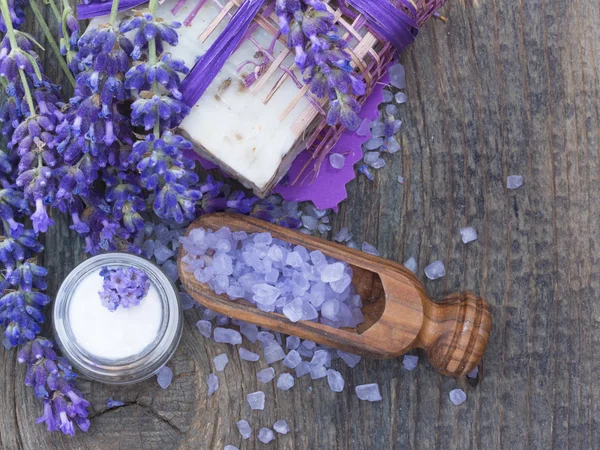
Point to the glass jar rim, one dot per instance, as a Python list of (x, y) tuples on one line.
[(120, 370)]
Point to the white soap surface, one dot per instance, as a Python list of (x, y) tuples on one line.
[(117, 334)]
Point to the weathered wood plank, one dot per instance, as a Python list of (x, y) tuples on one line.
[(504, 88)]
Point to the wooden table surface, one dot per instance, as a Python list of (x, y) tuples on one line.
[(506, 87)]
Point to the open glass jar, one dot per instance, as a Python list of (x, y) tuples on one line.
[(123, 346)]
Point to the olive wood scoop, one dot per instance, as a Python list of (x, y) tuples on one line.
[(399, 316)]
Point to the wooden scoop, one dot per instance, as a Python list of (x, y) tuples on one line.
[(399, 316)]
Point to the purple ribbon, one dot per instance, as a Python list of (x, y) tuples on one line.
[(96, 9), (389, 20), (209, 65)]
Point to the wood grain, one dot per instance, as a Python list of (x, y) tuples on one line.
[(506, 87)]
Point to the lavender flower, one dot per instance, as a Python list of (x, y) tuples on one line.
[(125, 287), (52, 380), (321, 55), (149, 28)]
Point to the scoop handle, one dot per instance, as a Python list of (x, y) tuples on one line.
[(455, 332)]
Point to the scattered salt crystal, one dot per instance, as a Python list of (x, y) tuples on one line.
[(205, 328), (162, 253), (435, 270), (335, 380), (265, 435), (320, 358), (266, 375), (285, 382), (170, 268), (337, 160), (292, 342), (350, 359), (110, 403), (370, 158), (309, 312), (397, 76), (273, 352), (411, 264), (473, 373), (310, 222), (373, 143), (400, 179), (391, 110), (230, 447), (164, 376), (250, 331), (187, 302), (468, 234), (379, 164), (387, 95), (220, 362), (368, 392), (364, 128), (368, 248), (245, 429), (293, 310), (302, 369), (256, 400), (317, 372), (457, 396), (514, 181), (401, 98), (343, 235), (410, 362), (292, 359), (281, 426), (247, 355), (228, 336), (213, 384), (264, 337)]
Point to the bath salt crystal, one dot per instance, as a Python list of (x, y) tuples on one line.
[(110, 403), (378, 129), (281, 426), (247, 355), (209, 314), (337, 160), (213, 384), (308, 344), (332, 272), (435, 270), (292, 359), (266, 435), (273, 352), (309, 312), (164, 376), (473, 373), (370, 158), (368, 248), (514, 181), (285, 382), (265, 294), (205, 328), (373, 144), (387, 96), (397, 76), (411, 264), (292, 342), (368, 392), (401, 98), (264, 337), (320, 358), (468, 234), (409, 362), (335, 380), (457, 396), (343, 235), (244, 428), (302, 369), (266, 375), (162, 253), (256, 400), (364, 128), (293, 310), (400, 179), (310, 222), (170, 268), (317, 372), (230, 447), (379, 164), (220, 361), (227, 336), (250, 331), (391, 110)]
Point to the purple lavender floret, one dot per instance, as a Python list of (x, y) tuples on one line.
[(166, 72), (149, 28), (125, 287), (150, 109), (17, 14), (52, 378), (322, 57)]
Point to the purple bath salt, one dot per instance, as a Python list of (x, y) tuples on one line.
[(264, 337), (205, 328), (292, 342), (266, 375), (220, 361), (256, 400), (335, 380), (410, 362), (230, 447), (350, 359), (245, 429), (411, 264), (250, 331), (247, 355), (435, 270), (265, 435), (321, 358), (368, 392), (228, 336), (468, 234), (302, 369), (514, 181), (281, 426), (317, 372), (285, 382), (213, 384), (368, 248), (164, 376), (337, 160), (458, 396), (273, 352), (292, 359), (473, 373)]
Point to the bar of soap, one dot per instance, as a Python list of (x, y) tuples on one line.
[(252, 139)]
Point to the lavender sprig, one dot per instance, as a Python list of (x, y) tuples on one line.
[(322, 57), (124, 287)]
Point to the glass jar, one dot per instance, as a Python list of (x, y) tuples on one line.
[(121, 369)]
